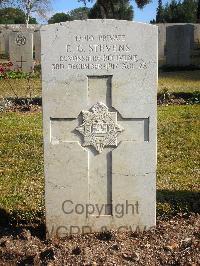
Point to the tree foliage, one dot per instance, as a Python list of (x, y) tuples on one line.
[(160, 12), (14, 16), (177, 12), (198, 12), (80, 13), (59, 17), (75, 14), (140, 3), (39, 7), (117, 9)]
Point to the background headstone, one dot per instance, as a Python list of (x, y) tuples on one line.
[(21, 50), (179, 44), (37, 45), (99, 116), (6, 38), (161, 43), (4, 43)]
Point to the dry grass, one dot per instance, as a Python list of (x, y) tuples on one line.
[(21, 174), (178, 172), (182, 81), (20, 88)]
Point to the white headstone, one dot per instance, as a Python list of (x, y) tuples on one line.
[(99, 117), (21, 50)]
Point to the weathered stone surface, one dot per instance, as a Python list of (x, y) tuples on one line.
[(99, 116), (21, 50)]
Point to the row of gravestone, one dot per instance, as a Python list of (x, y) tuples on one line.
[(99, 82), (176, 44)]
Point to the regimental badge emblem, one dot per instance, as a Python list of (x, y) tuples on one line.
[(99, 127), (20, 40)]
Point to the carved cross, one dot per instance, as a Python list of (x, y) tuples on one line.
[(100, 130), (21, 61)]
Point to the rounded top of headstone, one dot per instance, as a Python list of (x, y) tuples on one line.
[(99, 22)]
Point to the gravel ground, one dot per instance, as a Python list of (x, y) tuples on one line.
[(175, 241)]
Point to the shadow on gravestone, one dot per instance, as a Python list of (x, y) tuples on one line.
[(179, 44)]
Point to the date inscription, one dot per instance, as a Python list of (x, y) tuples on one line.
[(99, 52)]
